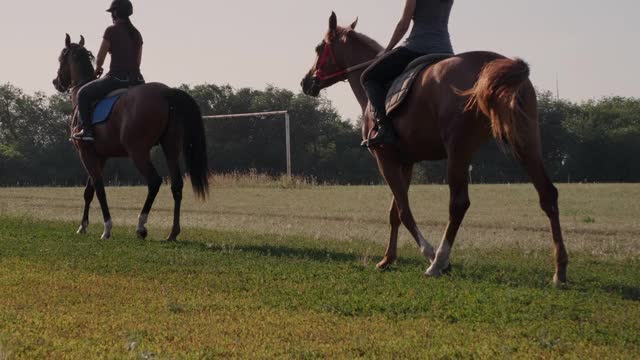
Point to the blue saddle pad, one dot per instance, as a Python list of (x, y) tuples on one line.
[(103, 110)]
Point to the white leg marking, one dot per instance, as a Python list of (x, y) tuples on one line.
[(425, 248), (107, 230), (142, 221), (442, 260), (83, 228)]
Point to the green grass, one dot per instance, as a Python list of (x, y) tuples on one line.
[(241, 294), (500, 215)]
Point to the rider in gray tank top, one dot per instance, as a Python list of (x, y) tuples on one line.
[(429, 35), (430, 32)]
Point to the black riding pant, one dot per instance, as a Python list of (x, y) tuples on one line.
[(377, 78), (98, 89)]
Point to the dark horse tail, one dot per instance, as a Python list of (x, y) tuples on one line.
[(497, 95), (195, 144)]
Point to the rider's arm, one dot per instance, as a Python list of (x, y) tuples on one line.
[(140, 56), (403, 24), (102, 55)]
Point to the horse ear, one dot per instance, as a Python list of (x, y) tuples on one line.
[(355, 23), (81, 41), (67, 40), (333, 22)]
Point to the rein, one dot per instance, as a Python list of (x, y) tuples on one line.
[(81, 84), (327, 55)]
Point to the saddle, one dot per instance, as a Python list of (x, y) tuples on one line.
[(400, 88), (103, 107)]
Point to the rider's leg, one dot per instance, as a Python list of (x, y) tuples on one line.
[(375, 80), (89, 94)]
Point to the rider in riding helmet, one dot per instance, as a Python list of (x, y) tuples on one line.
[(430, 34), (124, 42)]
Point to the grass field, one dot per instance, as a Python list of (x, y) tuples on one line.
[(269, 272)]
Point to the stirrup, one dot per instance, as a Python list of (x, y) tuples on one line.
[(389, 138), (82, 136)]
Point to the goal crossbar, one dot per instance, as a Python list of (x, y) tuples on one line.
[(287, 122)]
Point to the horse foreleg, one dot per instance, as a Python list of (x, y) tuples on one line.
[(89, 193), (154, 181), (459, 203), (394, 173), (94, 166), (391, 254)]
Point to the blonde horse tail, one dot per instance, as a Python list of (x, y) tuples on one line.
[(497, 95)]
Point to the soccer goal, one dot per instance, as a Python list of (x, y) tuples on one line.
[(263, 115)]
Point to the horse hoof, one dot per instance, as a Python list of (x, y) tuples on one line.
[(142, 234), (173, 237), (447, 270), (431, 273), (559, 282), (105, 237), (385, 264), (434, 272), (82, 231)]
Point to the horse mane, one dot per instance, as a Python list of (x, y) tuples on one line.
[(83, 58), (342, 33), (369, 42)]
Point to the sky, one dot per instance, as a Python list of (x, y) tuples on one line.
[(591, 47)]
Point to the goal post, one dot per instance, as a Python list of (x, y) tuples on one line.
[(287, 122)]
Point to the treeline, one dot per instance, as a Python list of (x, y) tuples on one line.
[(596, 141)]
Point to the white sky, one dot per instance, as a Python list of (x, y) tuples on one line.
[(593, 46)]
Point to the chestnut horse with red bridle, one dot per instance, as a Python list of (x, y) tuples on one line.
[(146, 116), (453, 108)]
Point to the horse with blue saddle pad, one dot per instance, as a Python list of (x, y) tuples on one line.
[(131, 122)]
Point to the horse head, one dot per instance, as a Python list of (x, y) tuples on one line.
[(337, 51), (75, 65)]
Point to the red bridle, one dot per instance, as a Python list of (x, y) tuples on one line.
[(327, 54)]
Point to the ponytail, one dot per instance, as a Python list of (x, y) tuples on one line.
[(134, 34)]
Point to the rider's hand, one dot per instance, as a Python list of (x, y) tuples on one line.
[(98, 72)]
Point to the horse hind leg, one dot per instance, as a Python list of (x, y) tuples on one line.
[(172, 154), (154, 181), (532, 162), (89, 193)]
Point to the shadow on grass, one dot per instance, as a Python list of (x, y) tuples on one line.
[(631, 293), (278, 251), (501, 274)]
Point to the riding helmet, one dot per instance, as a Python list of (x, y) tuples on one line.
[(121, 7)]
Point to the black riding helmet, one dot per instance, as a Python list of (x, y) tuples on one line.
[(123, 8)]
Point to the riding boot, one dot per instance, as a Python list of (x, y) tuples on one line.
[(385, 133)]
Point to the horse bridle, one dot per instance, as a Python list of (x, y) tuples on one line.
[(328, 54), (70, 87)]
